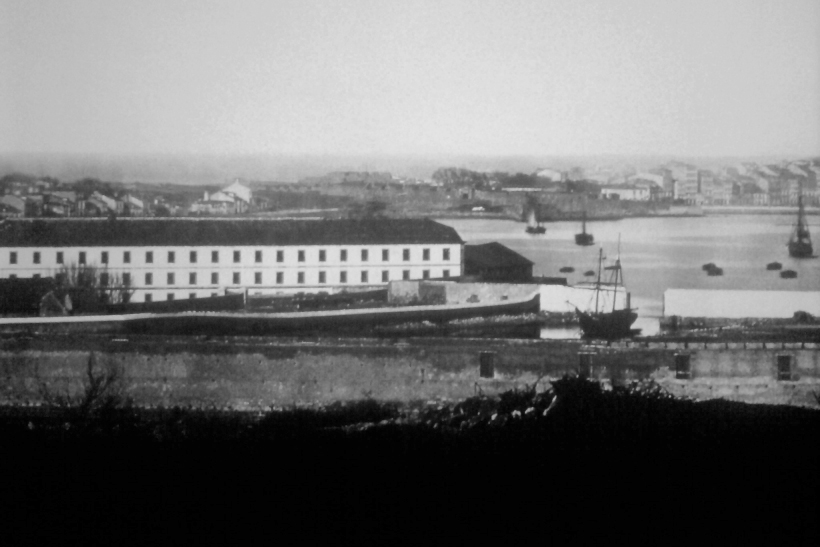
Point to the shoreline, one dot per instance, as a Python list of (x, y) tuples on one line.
[(757, 210)]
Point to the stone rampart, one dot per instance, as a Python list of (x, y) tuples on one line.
[(257, 375)]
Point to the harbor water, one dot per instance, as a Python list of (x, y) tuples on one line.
[(661, 253)]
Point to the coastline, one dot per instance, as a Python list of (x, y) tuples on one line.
[(757, 210)]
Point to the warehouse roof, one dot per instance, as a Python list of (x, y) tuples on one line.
[(493, 255), (196, 232)]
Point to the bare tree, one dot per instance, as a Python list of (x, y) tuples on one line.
[(93, 287), (102, 388)]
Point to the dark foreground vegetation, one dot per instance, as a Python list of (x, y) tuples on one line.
[(632, 458)]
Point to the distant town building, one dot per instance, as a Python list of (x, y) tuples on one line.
[(686, 181), (234, 199), (14, 202), (627, 192), (552, 174)]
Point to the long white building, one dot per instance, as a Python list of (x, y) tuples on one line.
[(166, 259)]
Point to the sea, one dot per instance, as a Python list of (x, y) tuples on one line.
[(660, 253)]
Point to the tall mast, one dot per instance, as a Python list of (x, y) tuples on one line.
[(802, 228), (598, 284), (617, 273)]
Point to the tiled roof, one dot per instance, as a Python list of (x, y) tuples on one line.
[(493, 255), (195, 232)]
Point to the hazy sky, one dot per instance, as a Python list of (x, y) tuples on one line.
[(685, 77)]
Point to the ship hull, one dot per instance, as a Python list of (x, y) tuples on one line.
[(611, 325), (800, 249), (355, 321), (584, 239)]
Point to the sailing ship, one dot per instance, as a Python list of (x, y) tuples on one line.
[(800, 242), (602, 322), (533, 226), (584, 238)]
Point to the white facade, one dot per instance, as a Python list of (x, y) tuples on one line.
[(633, 193), (552, 174), (178, 272)]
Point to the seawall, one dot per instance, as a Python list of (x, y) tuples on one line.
[(262, 372)]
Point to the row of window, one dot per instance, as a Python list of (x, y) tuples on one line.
[(171, 279), (170, 296), (683, 366), (237, 256)]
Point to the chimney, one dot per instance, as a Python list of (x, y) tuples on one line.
[(206, 197)]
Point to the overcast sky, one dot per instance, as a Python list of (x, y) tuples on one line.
[(687, 77)]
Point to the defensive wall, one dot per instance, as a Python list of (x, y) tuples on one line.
[(761, 372), (261, 372)]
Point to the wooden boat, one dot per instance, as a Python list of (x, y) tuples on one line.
[(602, 323), (584, 238), (567, 269), (533, 226), (774, 266), (712, 270), (788, 274), (800, 241), (360, 321)]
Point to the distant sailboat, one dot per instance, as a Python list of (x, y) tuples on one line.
[(800, 241), (601, 323), (533, 226), (584, 238)]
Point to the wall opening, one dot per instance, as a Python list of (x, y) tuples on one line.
[(784, 367), (683, 366), (486, 364)]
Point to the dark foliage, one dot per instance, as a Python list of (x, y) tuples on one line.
[(569, 460)]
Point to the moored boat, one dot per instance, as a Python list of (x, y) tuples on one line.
[(607, 324), (584, 238), (800, 241), (533, 225)]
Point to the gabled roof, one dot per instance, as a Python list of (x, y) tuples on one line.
[(216, 232), (493, 255)]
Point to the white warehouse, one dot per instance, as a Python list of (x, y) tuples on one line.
[(167, 259)]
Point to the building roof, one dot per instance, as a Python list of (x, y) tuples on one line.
[(493, 255), (216, 232)]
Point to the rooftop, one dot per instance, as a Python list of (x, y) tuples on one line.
[(493, 255), (196, 232)]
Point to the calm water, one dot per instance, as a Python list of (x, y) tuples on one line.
[(662, 253)]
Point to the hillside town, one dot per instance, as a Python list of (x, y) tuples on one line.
[(447, 190)]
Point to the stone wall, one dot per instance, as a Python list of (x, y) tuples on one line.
[(260, 378), (259, 375)]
